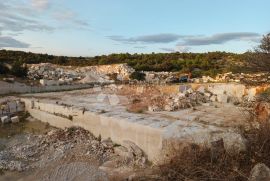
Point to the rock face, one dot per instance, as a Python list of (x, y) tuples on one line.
[(257, 78), (187, 99), (260, 173), (68, 74)]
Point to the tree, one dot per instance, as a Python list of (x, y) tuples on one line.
[(137, 76), (3, 69), (18, 69), (265, 44), (259, 60)]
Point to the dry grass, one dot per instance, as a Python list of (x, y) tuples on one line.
[(202, 163)]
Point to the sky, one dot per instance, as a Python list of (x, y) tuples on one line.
[(97, 27)]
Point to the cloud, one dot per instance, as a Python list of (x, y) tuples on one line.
[(70, 17), (15, 23), (13, 20), (189, 40), (158, 38), (40, 4), (168, 49), (140, 47), (220, 39), (9, 42), (176, 49)]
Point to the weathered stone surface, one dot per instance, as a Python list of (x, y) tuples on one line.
[(260, 172), (75, 172), (154, 108), (132, 147), (5, 119), (15, 119), (222, 98), (124, 152)]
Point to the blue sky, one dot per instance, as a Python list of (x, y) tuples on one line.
[(96, 27)]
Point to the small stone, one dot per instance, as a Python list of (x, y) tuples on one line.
[(154, 109), (5, 119), (260, 172), (201, 89), (132, 147), (15, 119)]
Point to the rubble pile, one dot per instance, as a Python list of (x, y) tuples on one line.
[(178, 101), (102, 73), (122, 70), (51, 74), (9, 108), (39, 151), (257, 78), (160, 77)]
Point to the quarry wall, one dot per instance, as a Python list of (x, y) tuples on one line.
[(148, 138), (235, 90), (10, 88)]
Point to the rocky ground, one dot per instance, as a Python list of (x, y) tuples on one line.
[(70, 154)]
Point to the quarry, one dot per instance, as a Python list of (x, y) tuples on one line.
[(98, 119), (134, 90)]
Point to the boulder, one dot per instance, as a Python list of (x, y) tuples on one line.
[(189, 91), (201, 89), (260, 172), (213, 98), (132, 147), (222, 98), (154, 108), (169, 107), (123, 152), (15, 119), (5, 119)]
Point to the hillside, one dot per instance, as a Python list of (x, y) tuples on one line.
[(199, 63)]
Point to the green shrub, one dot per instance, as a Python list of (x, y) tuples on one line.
[(3, 69), (137, 76), (18, 69)]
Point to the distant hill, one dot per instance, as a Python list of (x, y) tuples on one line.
[(199, 63)]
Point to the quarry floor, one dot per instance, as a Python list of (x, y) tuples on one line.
[(114, 103), (207, 122), (201, 124)]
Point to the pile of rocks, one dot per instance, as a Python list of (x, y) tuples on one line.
[(7, 119), (257, 78), (50, 71), (39, 151), (9, 108), (55, 75), (179, 101), (160, 77)]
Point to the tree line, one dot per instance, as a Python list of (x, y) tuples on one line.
[(198, 64)]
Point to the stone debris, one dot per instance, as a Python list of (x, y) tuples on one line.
[(10, 106), (15, 119), (131, 153), (257, 78), (179, 101), (5, 119), (75, 171), (38, 151), (160, 77), (260, 172), (50, 74)]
